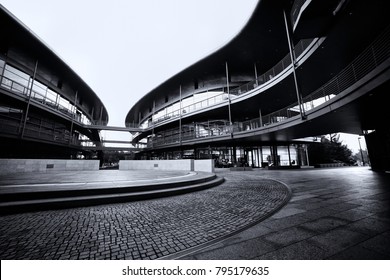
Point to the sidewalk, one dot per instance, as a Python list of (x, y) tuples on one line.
[(335, 213)]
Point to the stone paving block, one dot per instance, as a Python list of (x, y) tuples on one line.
[(238, 251), (288, 236), (287, 211), (358, 252), (302, 197), (379, 243), (337, 240), (303, 250), (352, 215), (317, 213), (283, 223), (324, 224)]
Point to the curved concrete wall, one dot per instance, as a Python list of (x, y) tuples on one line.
[(9, 166), (206, 165)]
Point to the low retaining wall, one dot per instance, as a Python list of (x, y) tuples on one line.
[(179, 164), (206, 165), (8, 166)]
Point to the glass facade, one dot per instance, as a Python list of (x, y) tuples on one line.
[(16, 120), (19, 82)]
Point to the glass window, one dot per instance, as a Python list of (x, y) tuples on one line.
[(39, 90), (16, 80), (1, 66), (51, 97), (64, 104)]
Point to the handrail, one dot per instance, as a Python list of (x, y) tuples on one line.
[(295, 10), (22, 90), (375, 54), (36, 129), (268, 76)]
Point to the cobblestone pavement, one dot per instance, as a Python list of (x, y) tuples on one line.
[(145, 229), (334, 213)]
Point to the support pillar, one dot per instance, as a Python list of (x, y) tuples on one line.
[(229, 103), (260, 118), (180, 136), (29, 100), (293, 61), (307, 156), (289, 155), (256, 76), (73, 116), (234, 155)]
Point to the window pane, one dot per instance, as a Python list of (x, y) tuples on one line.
[(16, 80)]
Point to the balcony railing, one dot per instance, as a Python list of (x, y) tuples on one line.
[(377, 53), (268, 76), (35, 128), (45, 99)]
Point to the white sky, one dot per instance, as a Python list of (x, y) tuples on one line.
[(125, 48)]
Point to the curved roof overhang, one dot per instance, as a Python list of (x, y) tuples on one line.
[(15, 34), (262, 41)]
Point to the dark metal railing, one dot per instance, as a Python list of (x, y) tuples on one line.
[(375, 54), (268, 76)]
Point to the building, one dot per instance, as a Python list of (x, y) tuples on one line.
[(46, 109), (297, 70)]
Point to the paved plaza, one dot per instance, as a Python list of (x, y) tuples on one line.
[(334, 213), (143, 229)]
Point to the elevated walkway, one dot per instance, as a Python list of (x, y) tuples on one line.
[(55, 190)]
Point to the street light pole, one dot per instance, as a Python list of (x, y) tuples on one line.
[(361, 152)]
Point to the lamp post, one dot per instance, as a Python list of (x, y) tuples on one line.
[(361, 152)]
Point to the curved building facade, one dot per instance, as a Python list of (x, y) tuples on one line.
[(297, 70), (46, 109)]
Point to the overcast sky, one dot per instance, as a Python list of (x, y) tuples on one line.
[(125, 48)]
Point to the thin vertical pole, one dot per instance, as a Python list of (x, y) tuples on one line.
[(180, 138), (71, 124), (293, 61), (256, 77), (92, 114), (307, 156), (101, 115), (3, 70), (29, 99), (289, 155), (260, 118), (261, 156), (228, 92), (57, 101), (154, 110)]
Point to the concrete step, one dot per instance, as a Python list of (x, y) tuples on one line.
[(35, 199)]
